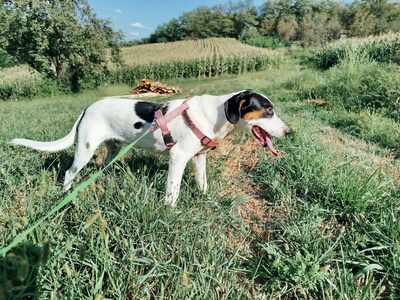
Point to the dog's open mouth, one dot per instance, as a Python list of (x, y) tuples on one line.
[(265, 139)]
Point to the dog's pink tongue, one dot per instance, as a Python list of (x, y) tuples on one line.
[(270, 146)]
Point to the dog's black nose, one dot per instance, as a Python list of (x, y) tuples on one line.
[(287, 131)]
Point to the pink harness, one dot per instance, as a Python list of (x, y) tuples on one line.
[(161, 121)]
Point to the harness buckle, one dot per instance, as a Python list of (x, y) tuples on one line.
[(168, 140), (206, 141)]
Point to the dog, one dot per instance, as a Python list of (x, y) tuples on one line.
[(124, 119)]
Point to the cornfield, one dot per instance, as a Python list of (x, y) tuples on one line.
[(183, 59), (198, 58), (382, 48)]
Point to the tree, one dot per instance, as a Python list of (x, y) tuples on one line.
[(62, 39), (374, 17), (242, 13), (171, 31), (288, 28), (205, 22), (307, 22)]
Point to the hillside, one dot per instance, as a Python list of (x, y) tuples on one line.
[(189, 50)]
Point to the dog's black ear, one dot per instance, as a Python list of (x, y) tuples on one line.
[(233, 106)]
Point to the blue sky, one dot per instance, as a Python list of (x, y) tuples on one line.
[(137, 19)]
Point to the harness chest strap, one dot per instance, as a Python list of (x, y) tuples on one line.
[(204, 140), (160, 121)]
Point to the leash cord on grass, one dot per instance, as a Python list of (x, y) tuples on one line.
[(70, 197)]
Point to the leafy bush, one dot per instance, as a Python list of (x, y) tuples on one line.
[(6, 60), (21, 81)]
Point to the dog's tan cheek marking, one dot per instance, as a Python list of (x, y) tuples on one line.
[(253, 115)]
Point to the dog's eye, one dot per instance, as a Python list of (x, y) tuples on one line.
[(269, 112)]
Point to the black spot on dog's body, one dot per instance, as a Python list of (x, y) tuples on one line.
[(138, 125), (87, 145), (146, 110)]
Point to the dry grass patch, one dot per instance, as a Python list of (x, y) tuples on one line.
[(241, 159), (364, 151)]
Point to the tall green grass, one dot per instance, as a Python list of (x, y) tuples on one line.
[(335, 232), (369, 127), (359, 86), (384, 48)]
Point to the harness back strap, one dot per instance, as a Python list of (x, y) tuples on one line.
[(160, 121)]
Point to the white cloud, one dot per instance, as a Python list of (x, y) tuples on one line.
[(137, 25), (118, 11)]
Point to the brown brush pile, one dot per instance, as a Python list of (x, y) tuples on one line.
[(147, 86)]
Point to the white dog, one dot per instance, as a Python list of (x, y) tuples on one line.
[(124, 119)]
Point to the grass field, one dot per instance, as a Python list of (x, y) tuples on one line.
[(320, 223)]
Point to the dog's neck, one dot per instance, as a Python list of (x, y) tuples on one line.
[(214, 113)]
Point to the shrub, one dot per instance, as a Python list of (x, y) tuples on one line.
[(20, 82), (6, 60)]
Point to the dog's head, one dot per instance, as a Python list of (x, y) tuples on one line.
[(256, 112)]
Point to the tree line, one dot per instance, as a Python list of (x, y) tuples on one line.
[(307, 22)]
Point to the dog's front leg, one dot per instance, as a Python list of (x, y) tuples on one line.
[(177, 163), (199, 163)]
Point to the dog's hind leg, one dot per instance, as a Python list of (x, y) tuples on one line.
[(199, 163), (83, 153), (106, 153), (113, 148)]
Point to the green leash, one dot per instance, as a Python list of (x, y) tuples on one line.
[(69, 198)]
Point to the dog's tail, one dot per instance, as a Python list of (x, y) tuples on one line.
[(52, 146)]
